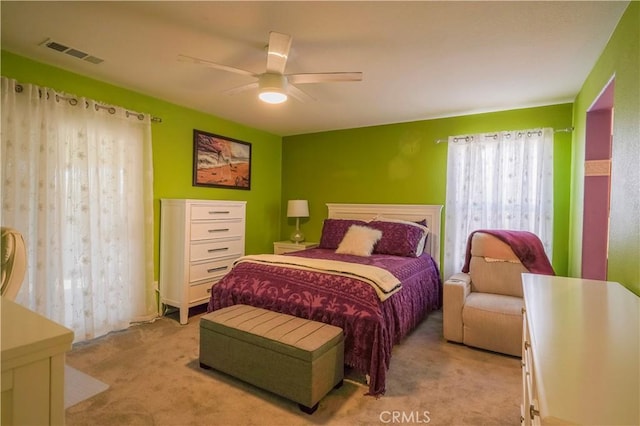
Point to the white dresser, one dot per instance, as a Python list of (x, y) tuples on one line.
[(199, 240), (581, 352), (33, 354)]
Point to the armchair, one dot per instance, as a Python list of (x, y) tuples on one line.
[(14, 262), (482, 306)]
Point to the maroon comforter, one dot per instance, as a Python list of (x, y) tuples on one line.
[(371, 327)]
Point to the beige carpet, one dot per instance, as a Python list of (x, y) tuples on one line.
[(154, 379)]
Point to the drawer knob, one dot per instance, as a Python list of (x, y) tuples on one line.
[(219, 230), (220, 268), (526, 345)]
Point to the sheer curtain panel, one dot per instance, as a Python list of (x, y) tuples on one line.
[(498, 181), (77, 182)]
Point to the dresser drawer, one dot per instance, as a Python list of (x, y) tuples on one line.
[(215, 249), (283, 247), (281, 250), (217, 229), (200, 291), (207, 270), (207, 212)]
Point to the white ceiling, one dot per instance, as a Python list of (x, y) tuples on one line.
[(420, 59)]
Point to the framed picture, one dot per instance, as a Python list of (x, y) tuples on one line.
[(220, 161)]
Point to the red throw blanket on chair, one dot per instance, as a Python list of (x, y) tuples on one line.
[(526, 246)]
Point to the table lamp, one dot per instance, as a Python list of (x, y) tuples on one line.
[(297, 209)]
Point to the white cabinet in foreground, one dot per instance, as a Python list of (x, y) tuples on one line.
[(581, 352)]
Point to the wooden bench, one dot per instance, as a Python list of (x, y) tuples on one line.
[(296, 358)]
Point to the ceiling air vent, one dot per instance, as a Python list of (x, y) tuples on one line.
[(76, 53), (56, 46), (59, 47), (93, 59)]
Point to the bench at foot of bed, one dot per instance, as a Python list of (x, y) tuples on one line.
[(296, 358)]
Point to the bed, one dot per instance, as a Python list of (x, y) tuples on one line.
[(332, 283)]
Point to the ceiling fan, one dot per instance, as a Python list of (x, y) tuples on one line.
[(274, 85)]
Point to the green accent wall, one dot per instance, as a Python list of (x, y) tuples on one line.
[(395, 163), (620, 60), (401, 163), (173, 148)]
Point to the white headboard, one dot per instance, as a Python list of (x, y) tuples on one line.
[(411, 212)]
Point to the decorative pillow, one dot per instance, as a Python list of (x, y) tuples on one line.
[(400, 238), (334, 230), (359, 240), (422, 245)]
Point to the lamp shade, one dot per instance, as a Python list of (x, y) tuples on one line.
[(298, 208)]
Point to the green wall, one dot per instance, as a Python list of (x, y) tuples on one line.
[(173, 148), (397, 163), (401, 163), (619, 59)]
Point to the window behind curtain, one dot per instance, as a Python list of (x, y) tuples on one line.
[(77, 183), (498, 181)]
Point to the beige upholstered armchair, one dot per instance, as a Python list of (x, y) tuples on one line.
[(14, 262), (482, 305)]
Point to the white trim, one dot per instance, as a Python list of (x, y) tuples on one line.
[(412, 212)]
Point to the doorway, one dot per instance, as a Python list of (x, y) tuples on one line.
[(597, 185)]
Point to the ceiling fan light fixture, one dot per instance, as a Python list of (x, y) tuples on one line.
[(273, 85), (272, 97), (273, 88)]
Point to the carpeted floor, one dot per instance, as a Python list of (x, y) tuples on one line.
[(154, 379)]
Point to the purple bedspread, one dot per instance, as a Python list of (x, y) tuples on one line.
[(371, 327)]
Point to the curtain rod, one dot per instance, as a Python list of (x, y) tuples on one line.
[(112, 110), (565, 130)]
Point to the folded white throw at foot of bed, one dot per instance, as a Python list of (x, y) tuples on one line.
[(383, 282)]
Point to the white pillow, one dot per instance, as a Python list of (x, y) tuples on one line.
[(359, 240)]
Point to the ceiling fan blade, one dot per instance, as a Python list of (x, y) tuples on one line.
[(324, 77), (240, 89), (298, 94), (191, 59), (279, 46)]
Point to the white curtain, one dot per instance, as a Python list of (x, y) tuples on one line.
[(498, 181), (77, 182)]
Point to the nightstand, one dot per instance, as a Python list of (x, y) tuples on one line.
[(282, 247)]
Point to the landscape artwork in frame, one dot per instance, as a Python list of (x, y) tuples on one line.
[(220, 161)]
